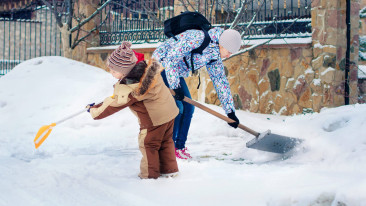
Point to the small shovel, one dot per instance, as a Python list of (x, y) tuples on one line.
[(265, 141), (45, 130)]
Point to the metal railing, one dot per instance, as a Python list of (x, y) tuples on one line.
[(22, 39), (141, 21)]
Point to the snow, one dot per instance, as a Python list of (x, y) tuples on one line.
[(134, 46), (309, 71), (285, 41), (87, 162), (317, 82), (362, 71), (329, 69)]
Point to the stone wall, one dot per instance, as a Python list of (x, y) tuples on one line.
[(274, 79), (269, 79), (285, 79), (362, 33), (329, 49)]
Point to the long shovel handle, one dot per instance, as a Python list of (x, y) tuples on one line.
[(223, 117), (72, 116)]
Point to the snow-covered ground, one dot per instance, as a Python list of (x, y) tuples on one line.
[(87, 162)]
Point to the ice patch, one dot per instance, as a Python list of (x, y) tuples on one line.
[(335, 125), (38, 62), (2, 104)]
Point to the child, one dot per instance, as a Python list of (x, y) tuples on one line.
[(141, 87)]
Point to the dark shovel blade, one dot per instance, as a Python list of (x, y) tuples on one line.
[(273, 143)]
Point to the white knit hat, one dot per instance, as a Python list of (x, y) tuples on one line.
[(230, 39)]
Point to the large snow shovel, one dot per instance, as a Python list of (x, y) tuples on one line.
[(265, 141), (45, 130)]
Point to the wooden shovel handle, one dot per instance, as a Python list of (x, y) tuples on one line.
[(223, 117)]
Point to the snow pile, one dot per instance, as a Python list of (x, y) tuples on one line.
[(87, 162)]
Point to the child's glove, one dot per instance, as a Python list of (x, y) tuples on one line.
[(179, 94), (89, 106), (232, 116)]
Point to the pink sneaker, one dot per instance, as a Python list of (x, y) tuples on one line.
[(185, 153), (179, 154)]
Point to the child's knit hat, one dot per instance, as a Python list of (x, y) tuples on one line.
[(230, 39), (123, 59)]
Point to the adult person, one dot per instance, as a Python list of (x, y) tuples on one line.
[(175, 56)]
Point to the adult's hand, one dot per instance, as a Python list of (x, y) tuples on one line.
[(232, 116), (179, 94)]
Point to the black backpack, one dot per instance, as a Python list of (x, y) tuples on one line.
[(186, 21)]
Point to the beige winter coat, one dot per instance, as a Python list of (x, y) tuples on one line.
[(150, 100)]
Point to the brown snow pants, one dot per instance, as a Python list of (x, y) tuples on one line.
[(158, 151)]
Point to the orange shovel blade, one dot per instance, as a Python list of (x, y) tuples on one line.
[(42, 134)]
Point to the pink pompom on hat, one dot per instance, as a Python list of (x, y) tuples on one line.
[(123, 59)]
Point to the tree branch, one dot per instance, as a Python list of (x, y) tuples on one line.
[(76, 42), (90, 17), (54, 11), (239, 15), (260, 44)]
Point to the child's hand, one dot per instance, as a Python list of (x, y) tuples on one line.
[(89, 106)]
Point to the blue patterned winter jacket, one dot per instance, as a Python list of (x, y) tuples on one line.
[(171, 54)]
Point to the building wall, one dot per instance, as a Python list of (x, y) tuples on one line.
[(362, 33), (25, 39), (290, 78)]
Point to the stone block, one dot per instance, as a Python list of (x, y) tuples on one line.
[(317, 102), (283, 83), (307, 52), (316, 86), (327, 75), (296, 109), (290, 99), (295, 54), (338, 100), (309, 74), (279, 102), (305, 99), (254, 106), (265, 65), (317, 50), (251, 81), (330, 49), (299, 70), (333, 4), (263, 85), (329, 60), (300, 86), (315, 4), (286, 69), (317, 62), (245, 97), (327, 96), (290, 84), (274, 79), (265, 103)]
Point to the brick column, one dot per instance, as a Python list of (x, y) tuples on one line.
[(329, 52)]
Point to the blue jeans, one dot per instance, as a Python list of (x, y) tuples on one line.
[(183, 121)]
